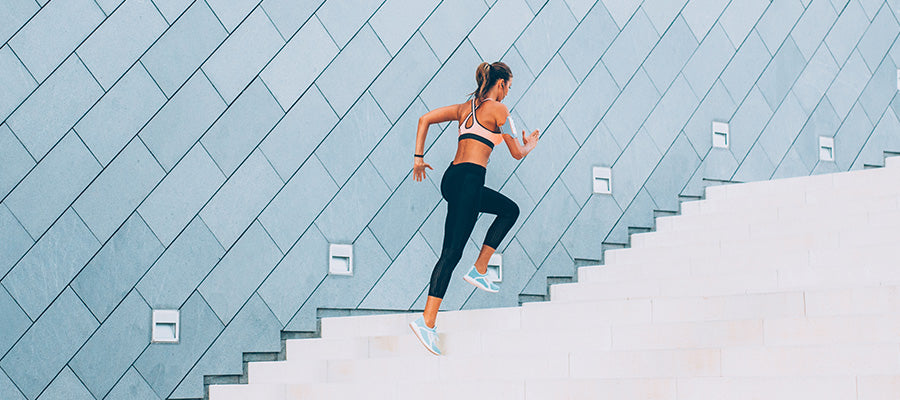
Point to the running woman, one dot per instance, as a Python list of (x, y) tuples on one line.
[(462, 185)]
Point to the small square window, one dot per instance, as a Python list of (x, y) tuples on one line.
[(495, 267), (340, 259), (602, 180), (826, 148), (720, 134), (165, 326)]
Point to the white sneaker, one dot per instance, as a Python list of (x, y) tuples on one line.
[(480, 281)]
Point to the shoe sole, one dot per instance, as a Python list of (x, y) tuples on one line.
[(412, 325), (472, 281)]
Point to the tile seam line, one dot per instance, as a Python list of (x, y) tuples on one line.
[(15, 386), (31, 323), (5, 119), (222, 24), (153, 2)]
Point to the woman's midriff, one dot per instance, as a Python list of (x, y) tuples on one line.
[(472, 151)]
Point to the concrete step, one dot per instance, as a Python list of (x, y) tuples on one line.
[(863, 300), (739, 282), (607, 335), (245, 392), (411, 390), (892, 162), (862, 387), (842, 387), (323, 349), (447, 367), (853, 198), (859, 265), (847, 181), (725, 215), (397, 324), (729, 282), (747, 361), (764, 227), (705, 388), (276, 372), (728, 349), (790, 331)]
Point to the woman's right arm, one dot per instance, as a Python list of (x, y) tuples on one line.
[(437, 115), (520, 150), (516, 150)]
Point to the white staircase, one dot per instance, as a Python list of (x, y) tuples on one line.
[(781, 289)]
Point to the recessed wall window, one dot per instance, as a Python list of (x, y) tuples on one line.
[(602, 177), (826, 148), (165, 326), (720, 134), (495, 267), (340, 259)]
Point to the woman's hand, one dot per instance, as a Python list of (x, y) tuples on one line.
[(530, 140), (419, 169)]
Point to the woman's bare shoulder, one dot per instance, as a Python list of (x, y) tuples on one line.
[(497, 110)]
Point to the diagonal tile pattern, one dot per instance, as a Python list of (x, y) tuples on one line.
[(200, 154)]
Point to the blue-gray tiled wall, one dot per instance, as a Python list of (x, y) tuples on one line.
[(201, 155)]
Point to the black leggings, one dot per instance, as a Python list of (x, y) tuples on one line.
[(463, 188)]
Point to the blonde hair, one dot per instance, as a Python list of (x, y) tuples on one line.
[(486, 75)]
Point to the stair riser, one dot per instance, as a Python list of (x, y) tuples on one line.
[(686, 388), (831, 200), (394, 324), (824, 267), (841, 182), (793, 388), (737, 283), (450, 368), (869, 224), (808, 218), (274, 372)]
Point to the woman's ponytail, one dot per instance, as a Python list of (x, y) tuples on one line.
[(486, 75)]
